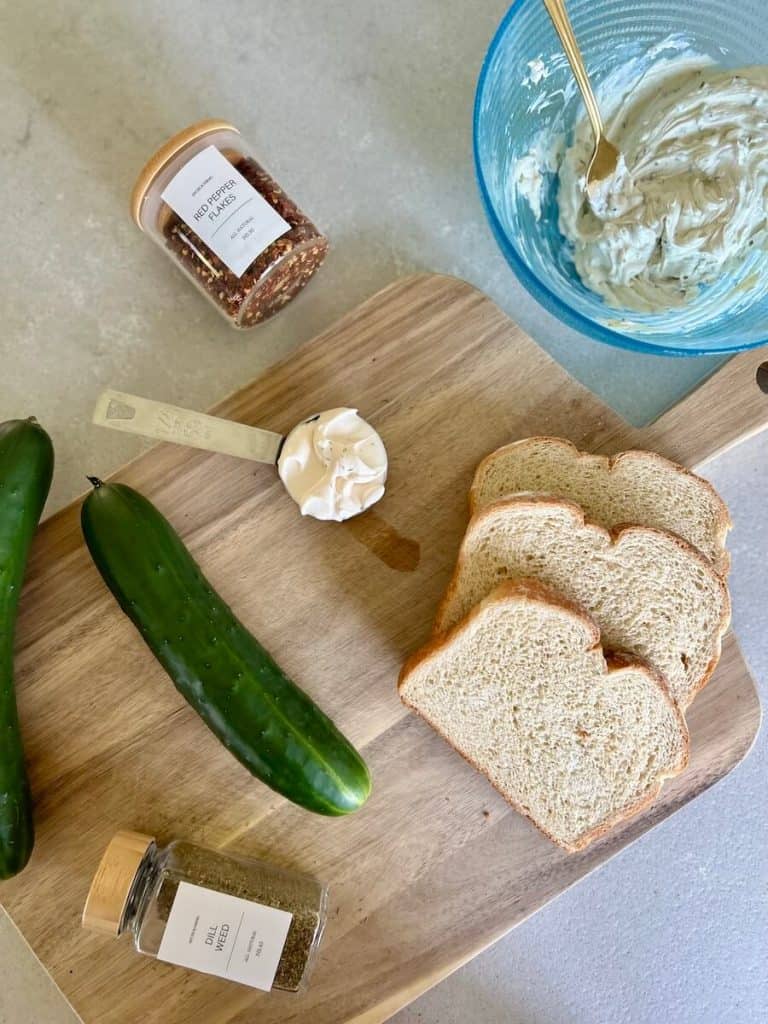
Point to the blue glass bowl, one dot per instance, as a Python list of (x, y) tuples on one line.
[(512, 107)]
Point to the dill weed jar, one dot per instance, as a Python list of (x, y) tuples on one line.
[(235, 917), (226, 223)]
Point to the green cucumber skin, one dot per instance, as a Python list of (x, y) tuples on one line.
[(26, 469), (268, 723)]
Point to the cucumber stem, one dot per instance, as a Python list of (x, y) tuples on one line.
[(97, 483)]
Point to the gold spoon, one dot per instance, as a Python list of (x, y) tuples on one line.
[(605, 156)]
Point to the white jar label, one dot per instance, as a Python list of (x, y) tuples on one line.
[(219, 934), (224, 209)]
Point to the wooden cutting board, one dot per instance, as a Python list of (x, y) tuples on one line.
[(436, 866)]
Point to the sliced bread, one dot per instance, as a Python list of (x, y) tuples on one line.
[(635, 487), (522, 690), (650, 593)]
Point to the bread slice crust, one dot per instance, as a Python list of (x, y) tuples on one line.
[(712, 547), (529, 590), (451, 606)]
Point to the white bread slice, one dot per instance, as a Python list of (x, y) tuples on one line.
[(650, 593), (636, 487), (522, 690)]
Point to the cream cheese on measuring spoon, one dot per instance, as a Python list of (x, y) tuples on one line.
[(333, 465)]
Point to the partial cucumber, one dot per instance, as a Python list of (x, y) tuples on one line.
[(260, 716), (26, 468)]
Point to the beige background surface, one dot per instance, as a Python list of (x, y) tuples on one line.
[(362, 112)]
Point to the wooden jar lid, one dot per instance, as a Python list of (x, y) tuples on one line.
[(112, 883), (167, 152)]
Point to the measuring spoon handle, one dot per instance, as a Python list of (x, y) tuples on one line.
[(133, 414)]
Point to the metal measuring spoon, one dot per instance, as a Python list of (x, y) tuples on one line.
[(333, 464)]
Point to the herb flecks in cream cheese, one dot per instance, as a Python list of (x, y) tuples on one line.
[(687, 203)]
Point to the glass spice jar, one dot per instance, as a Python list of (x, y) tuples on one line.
[(228, 225), (235, 917)]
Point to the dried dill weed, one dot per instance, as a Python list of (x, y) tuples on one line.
[(236, 917), (226, 223)]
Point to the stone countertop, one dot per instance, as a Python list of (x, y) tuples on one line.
[(362, 112)]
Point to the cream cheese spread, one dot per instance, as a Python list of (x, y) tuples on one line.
[(688, 202), (333, 465), (544, 157)]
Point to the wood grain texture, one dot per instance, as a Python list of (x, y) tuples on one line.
[(727, 408), (436, 866)]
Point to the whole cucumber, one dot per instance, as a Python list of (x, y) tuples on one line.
[(260, 716), (26, 468)]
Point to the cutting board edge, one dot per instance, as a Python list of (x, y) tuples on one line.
[(404, 283), (688, 404), (231, 397), (383, 1011)]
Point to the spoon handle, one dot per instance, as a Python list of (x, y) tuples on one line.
[(135, 415), (561, 21)]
